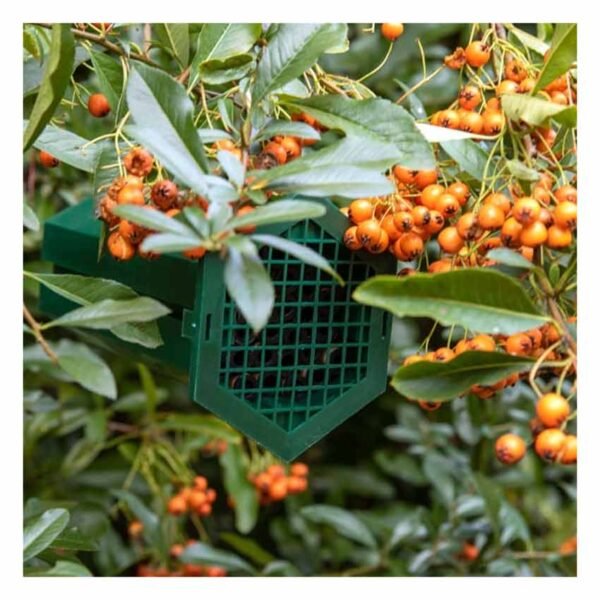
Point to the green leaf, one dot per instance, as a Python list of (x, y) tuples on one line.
[(66, 568), (514, 525), (249, 284), (110, 80), (434, 381), (208, 136), (536, 111), (42, 531), (510, 258), (176, 37), (86, 368), (163, 115), (206, 425), (436, 134), (80, 455), (529, 41), (492, 496), (374, 118), (106, 168), (235, 466), (87, 290), (169, 242), (220, 41), (57, 74), (106, 314), (198, 221), (342, 521), (217, 72), (303, 253), (31, 44), (30, 219), (202, 554), (469, 156), (233, 167), (153, 220), (563, 53), (351, 151), (73, 539), (293, 49), (522, 172), (478, 299), (248, 547), (438, 470), (281, 211), (68, 148), (293, 128)]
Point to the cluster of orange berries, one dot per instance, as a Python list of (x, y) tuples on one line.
[(125, 237), (550, 441), (214, 447), (273, 484), (197, 498), (180, 569), (518, 78), (423, 208)]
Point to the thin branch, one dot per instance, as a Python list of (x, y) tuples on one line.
[(423, 81), (37, 332)]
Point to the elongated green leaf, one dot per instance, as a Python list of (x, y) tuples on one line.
[(293, 128), (350, 152), (303, 253), (87, 290), (202, 554), (216, 72), (235, 465), (477, 299), (220, 41), (73, 539), (31, 44), (208, 136), (152, 531), (30, 219), (68, 148), (249, 284), (110, 79), (469, 156), (536, 111), (198, 221), (233, 167), (207, 425), (176, 37), (106, 314), (529, 41), (294, 48), (67, 568), (492, 496), (248, 547), (433, 381), (374, 118), (163, 115), (43, 530), (510, 258), (170, 242), (106, 168), (342, 521), (281, 211), (563, 53), (56, 78), (522, 172), (438, 470), (433, 133), (152, 219), (33, 70)]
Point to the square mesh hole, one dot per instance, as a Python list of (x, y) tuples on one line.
[(315, 346)]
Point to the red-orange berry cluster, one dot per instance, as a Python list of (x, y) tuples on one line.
[(197, 498), (274, 484)]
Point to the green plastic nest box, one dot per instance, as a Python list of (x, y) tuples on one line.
[(320, 359)]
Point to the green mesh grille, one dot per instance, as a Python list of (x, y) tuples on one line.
[(315, 346)]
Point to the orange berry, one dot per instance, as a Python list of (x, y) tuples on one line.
[(176, 550), (493, 122), (450, 240), (411, 245), (135, 529), (490, 216), (469, 97), (569, 546), (277, 151), (403, 221), (477, 54), (369, 231), (526, 210), (518, 344), (98, 105), (404, 175), (431, 194), (510, 233), (482, 343), (47, 160), (566, 193), (291, 146), (195, 253), (443, 355), (196, 499), (534, 235), (421, 216), (436, 222), (469, 552), (164, 194), (296, 485), (460, 191), (392, 31), (552, 410), (506, 86), (133, 233), (429, 406), (131, 195), (449, 119), (360, 210), (177, 505), (381, 244), (425, 178), (138, 162), (278, 489), (510, 448), (568, 455), (468, 226), (471, 122), (515, 71), (499, 200), (351, 240), (119, 247), (559, 237), (387, 224), (244, 210), (565, 214), (447, 205), (549, 444)]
